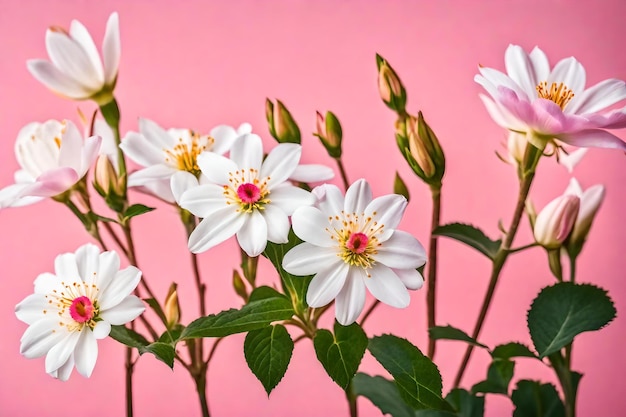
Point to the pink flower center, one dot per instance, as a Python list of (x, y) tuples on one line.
[(81, 309), (357, 243), (248, 193)]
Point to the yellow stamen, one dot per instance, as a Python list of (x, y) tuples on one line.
[(557, 93), (184, 155)]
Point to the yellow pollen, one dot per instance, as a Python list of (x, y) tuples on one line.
[(184, 155), (557, 93), (342, 230)]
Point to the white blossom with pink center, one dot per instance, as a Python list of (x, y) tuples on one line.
[(75, 306), (351, 244), (247, 196), (53, 157), (547, 104)]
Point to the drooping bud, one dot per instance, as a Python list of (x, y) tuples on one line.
[(330, 133), (281, 124), (399, 187), (590, 201), (555, 222), (172, 307), (390, 87)]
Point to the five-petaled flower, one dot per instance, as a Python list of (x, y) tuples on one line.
[(76, 70), (351, 244), (247, 196), (552, 104), (75, 306), (164, 154), (53, 158)]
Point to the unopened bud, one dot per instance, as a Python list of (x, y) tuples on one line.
[(172, 307), (105, 177), (390, 87), (330, 133), (555, 222), (590, 201), (239, 285), (425, 150), (516, 145), (281, 124)]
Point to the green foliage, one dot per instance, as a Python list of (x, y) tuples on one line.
[(564, 310), (268, 352), (340, 354), (399, 187), (471, 236), (416, 376), (534, 399), (382, 393), (499, 376), (512, 350), (164, 352), (452, 333), (293, 285), (257, 314), (136, 210), (466, 403)]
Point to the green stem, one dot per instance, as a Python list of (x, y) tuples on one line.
[(568, 385), (129, 381), (342, 171), (351, 400), (498, 263), (200, 380), (432, 267), (111, 114)]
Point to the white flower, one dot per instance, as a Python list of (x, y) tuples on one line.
[(76, 305), (590, 201), (248, 196), (352, 244), (76, 70), (166, 153), (53, 158), (545, 104), (571, 159)]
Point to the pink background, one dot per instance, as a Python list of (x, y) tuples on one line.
[(198, 64)]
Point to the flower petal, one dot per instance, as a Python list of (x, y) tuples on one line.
[(312, 173), (411, 278), (247, 152), (203, 200), (252, 236), (330, 200), (88, 262), (350, 301), (111, 48), (52, 183), (64, 372), (124, 283), (151, 174), (325, 286), (310, 224), (289, 198), (69, 57), (182, 181), (86, 353), (13, 196), (308, 259), (216, 167), (569, 161), (108, 267), (102, 329), (277, 224), (599, 97), (143, 150), (66, 269), (39, 337), (46, 73), (80, 35), (215, 229), (571, 73), (401, 251), (387, 210), (224, 137), (387, 287), (156, 134), (593, 138), (540, 64), (501, 116), (358, 196), (280, 163), (31, 308), (123, 312), (60, 353), (520, 69)]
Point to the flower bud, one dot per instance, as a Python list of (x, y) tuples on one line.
[(330, 133), (172, 308), (106, 180), (281, 125), (425, 150), (239, 285), (555, 222), (390, 87), (516, 145), (590, 201)]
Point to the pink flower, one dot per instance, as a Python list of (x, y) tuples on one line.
[(53, 157), (552, 104), (556, 221)]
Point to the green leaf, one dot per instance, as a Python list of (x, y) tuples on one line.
[(534, 399), (154, 304), (471, 236), (434, 413), (268, 352), (128, 337), (264, 292), (254, 315), (171, 336), (341, 353), (382, 393), (164, 352), (295, 286), (499, 376), (452, 333), (466, 404), (416, 376), (136, 210), (562, 311), (512, 350)]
